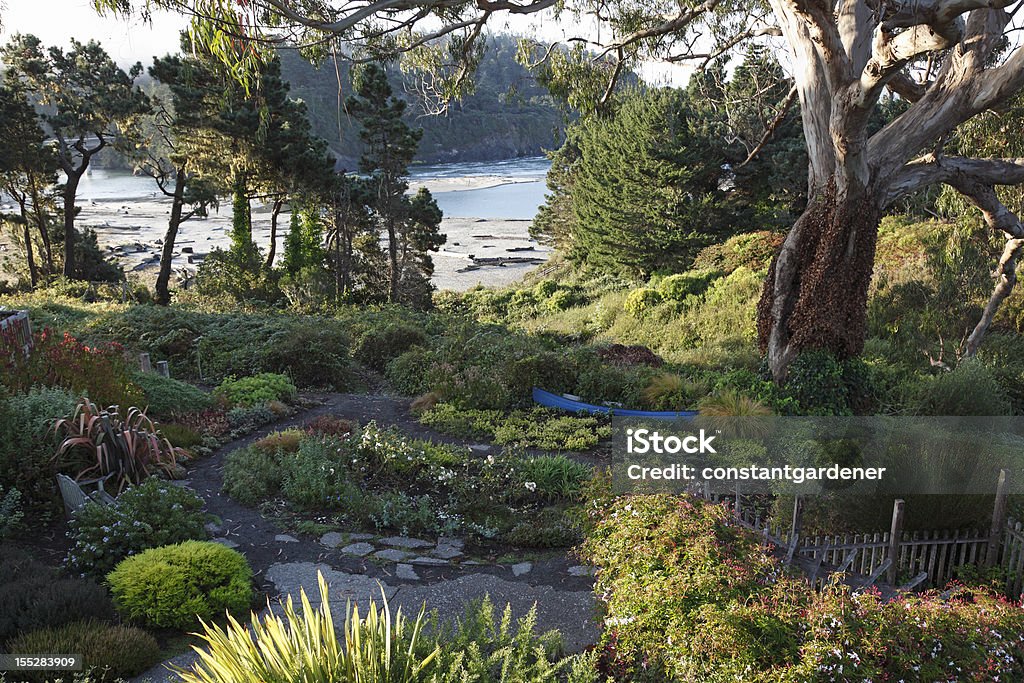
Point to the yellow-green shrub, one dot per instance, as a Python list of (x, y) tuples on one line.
[(174, 585)]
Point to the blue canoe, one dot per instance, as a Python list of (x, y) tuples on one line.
[(549, 400)]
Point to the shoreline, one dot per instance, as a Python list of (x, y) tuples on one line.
[(478, 251)]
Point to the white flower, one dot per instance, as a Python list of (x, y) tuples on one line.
[(531, 486)]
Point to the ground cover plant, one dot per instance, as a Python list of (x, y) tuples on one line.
[(383, 480), (536, 428)]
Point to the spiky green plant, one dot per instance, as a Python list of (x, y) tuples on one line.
[(380, 648)]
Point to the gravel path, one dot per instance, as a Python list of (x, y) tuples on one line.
[(411, 572)]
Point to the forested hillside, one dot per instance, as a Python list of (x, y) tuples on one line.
[(508, 114)]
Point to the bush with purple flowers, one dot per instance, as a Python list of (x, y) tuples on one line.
[(152, 514)]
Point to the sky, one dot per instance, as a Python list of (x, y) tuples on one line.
[(55, 22), (131, 40)]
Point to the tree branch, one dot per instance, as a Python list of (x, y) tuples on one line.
[(957, 172), (770, 130)]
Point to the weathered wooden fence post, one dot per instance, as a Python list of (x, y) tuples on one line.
[(895, 535), (145, 364), (794, 538), (163, 368), (995, 534)]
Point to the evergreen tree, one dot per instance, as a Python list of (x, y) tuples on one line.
[(28, 173), (294, 257), (90, 104), (646, 192), (242, 245), (390, 148)]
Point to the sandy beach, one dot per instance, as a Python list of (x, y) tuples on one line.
[(484, 251)]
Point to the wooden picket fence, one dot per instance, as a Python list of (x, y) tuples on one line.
[(15, 332), (1013, 557), (924, 558)]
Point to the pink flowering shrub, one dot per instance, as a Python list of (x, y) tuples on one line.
[(689, 596)]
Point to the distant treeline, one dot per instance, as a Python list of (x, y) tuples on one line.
[(508, 115)]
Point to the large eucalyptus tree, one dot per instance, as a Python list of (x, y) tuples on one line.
[(951, 60)]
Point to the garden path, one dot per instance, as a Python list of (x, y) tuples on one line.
[(410, 572)]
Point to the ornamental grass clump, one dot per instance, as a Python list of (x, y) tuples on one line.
[(382, 647)]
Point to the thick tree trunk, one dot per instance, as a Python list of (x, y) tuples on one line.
[(815, 295), (70, 192), (163, 278), (40, 220), (272, 250)]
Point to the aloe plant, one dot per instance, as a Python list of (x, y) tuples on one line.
[(381, 648), (130, 448)]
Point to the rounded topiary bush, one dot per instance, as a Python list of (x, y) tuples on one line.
[(174, 585), (113, 652), (640, 301)]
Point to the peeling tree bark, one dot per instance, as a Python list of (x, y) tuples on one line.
[(816, 292)]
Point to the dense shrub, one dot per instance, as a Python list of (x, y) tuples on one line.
[(112, 651), (312, 351), (554, 477), (180, 435), (678, 287), (751, 250), (252, 474), (970, 389), (689, 596), (256, 390), (174, 585), (244, 420), (642, 300), (167, 397), (149, 515), (378, 347), (563, 299), (11, 512), (28, 442), (99, 371), (35, 596), (329, 425)]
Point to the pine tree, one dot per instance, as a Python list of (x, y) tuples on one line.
[(645, 193), (390, 148)]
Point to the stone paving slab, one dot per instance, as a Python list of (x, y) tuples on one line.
[(359, 549), (405, 542), (573, 613)]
